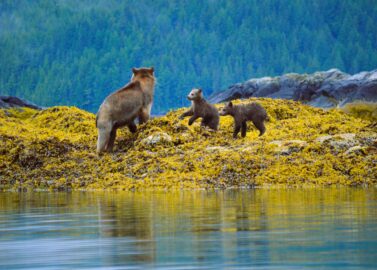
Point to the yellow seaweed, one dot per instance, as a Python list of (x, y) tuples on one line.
[(55, 149)]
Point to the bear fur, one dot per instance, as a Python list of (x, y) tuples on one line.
[(253, 112), (200, 108), (122, 107)]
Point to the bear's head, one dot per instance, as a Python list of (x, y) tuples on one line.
[(195, 94), (143, 75), (227, 110)]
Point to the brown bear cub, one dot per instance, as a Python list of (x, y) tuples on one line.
[(123, 106), (201, 108), (253, 112)]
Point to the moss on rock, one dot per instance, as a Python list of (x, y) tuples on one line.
[(55, 149)]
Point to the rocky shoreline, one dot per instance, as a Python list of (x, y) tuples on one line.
[(324, 89), (7, 102), (304, 146)]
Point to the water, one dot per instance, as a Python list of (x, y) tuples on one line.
[(254, 229)]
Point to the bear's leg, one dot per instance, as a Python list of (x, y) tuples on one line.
[(145, 113), (188, 113), (237, 128), (192, 119), (213, 123), (260, 126), (143, 116), (103, 139), (204, 123), (243, 129), (110, 144), (132, 127)]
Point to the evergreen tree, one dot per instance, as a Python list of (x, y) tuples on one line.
[(76, 53)]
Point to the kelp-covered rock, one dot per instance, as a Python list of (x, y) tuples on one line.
[(7, 102), (67, 119), (157, 138), (289, 146), (365, 110), (324, 89), (55, 149)]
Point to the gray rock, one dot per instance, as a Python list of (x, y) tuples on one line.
[(157, 138), (324, 138), (7, 102), (218, 149), (358, 150), (288, 147), (322, 102), (321, 89), (339, 142)]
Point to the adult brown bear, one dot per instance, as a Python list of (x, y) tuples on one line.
[(123, 106)]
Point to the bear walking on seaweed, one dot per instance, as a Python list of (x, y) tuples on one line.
[(253, 112), (201, 108), (123, 106)]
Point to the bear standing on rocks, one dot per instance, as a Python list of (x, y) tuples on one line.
[(201, 108), (123, 106), (248, 112)]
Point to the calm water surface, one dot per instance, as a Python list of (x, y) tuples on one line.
[(257, 229)]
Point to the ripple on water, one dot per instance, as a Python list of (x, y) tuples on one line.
[(263, 229)]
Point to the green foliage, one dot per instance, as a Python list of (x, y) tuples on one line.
[(66, 52)]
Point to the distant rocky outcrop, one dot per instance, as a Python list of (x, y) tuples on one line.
[(320, 89), (7, 102)]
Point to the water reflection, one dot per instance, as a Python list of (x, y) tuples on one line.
[(261, 228)]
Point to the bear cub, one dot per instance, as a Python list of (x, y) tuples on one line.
[(253, 112), (201, 108)]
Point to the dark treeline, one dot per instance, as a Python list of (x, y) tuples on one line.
[(76, 52)]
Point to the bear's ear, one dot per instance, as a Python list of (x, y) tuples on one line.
[(230, 104), (200, 90), (135, 70), (151, 69)]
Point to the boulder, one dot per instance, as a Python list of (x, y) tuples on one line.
[(358, 150), (345, 142), (324, 89), (157, 138), (7, 102), (288, 147)]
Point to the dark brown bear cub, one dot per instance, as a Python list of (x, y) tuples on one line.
[(201, 108), (253, 112)]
